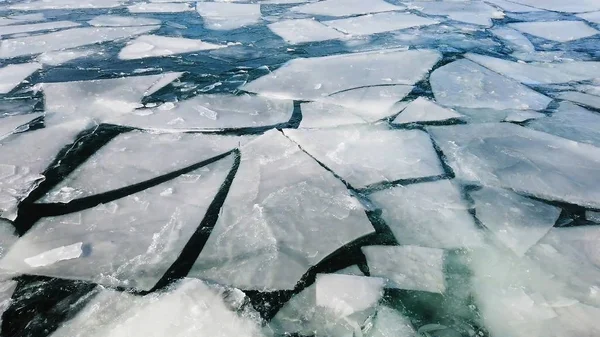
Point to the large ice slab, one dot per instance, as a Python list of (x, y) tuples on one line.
[(345, 7), (514, 157), (379, 23), (227, 16), (347, 294), (304, 30), (431, 214), (283, 214), (473, 12), (211, 112), (365, 155), (55, 58), (408, 267), (514, 39), (65, 39), (581, 98), (13, 74), (189, 308), (322, 115), (101, 99), (15, 29), (424, 110), (464, 83), (155, 45), (21, 18), (65, 4), (314, 78), (121, 21), (511, 6), (572, 122), (540, 73), (591, 17), (164, 7), (516, 221), (575, 6), (129, 242), (560, 31)]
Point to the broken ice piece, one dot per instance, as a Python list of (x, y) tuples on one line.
[(365, 155), (304, 30), (7, 289), (577, 6), (55, 58), (593, 216), (431, 214), (424, 110), (15, 29), (154, 45), (591, 17), (581, 98), (65, 4), (347, 294), (52, 256), (408, 267), (510, 6), (13, 74), (516, 221), (345, 7), (164, 7), (322, 115), (522, 115), (514, 39), (227, 16), (118, 21), (379, 23), (390, 323), (473, 12), (560, 31), (16, 123)]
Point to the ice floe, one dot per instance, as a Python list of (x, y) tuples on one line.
[(424, 110), (581, 98), (379, 23), (464, 83), (473, 12), (365, 155), (390, 323), (227, 16), (55, 58), (304, 30), (320, 115), (65, 4), (346, 7), (283, 214), (13, 74), (315, 78), (122, 21), (514, 39), (154, 46), (560, 31), (512, 6), (408, 267), (15, 29), (15, 123), (430, 214), (515, 157), (591, 17), (575, 6), (163, 7), (347, 294)]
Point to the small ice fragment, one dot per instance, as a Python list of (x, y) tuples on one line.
[(13, 74), (592, 101), (154, 45), (390, 323), (347, 294), (424, 110), (227, 16), (55, 255), (55, 58), (593, 216), (304, 30), (14, 29)]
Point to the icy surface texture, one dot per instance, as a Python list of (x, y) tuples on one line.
[(154, 45), (345, 7), (424, 110), (227, 16), (12, 75), (379, 23)]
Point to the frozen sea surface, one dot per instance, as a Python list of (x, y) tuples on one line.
[(302, 168)]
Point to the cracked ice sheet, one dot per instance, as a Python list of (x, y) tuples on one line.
[(304, 30), (591, 17), (318, 77), (559, 31), (100, 99), (575, 6), (211, 112), (154, 46), (189, 308), (513, 7), (129, 242), (539, 73), (477, 13), (516, 221), (408, 267), (65, 4), (14, 124), (593, 216), (66, 39), (379, 23), (365, 155), (323, 115), (55, 58), (15, 29), (283, 214), (424, 110), (345, 7), (118, 21), (572, 122), (514, 39), (390, 323), (228, 16), (164, 7), (347, 294), (592, 101), (130, 158), (22, 170), (515, 157), (431, 214), (464, 83), (13, 74), (20, 19)]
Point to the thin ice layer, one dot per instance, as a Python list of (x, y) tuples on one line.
[(318, 77), (66, 39), (228, 16), (304, 30), (365, 155), (514, 157), (189, 308), (572, 122), (211, 112), (592, 101), (516, 221), (560, 31), (13, 74), (347, 294), (15, 29), (22, 170), (379, 23), (155, 45), (130, 158), (540, 73), (431, 214), (121, 21), (164, 7), (408, 267), (514, 39), (345, 7), (424, 110), (283, 214), (101, 99), (464, 83), (473, 12), (129, 242)]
